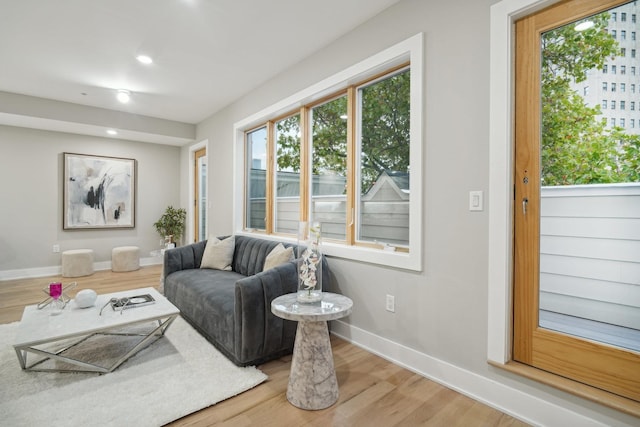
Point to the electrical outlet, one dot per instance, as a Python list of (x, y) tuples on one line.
[(56, 249), (391, 303)]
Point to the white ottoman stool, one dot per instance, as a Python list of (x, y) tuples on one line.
[(125, 258), (77, 262)]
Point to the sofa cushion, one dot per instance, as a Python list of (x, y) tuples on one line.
[(250, 254), (218, 254), (278, 255)]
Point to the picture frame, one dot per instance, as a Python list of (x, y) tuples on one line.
[(99, 192)]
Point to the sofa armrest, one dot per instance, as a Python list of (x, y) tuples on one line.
[(257, 330), (183, 258)]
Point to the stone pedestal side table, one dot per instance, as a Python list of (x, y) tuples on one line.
[(312, 381)]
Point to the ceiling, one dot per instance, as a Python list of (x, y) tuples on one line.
[(62, 61)]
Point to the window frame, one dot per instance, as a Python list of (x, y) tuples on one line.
[(408, 51)]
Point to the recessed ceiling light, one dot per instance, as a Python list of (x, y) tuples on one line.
[(144, 59), (123, 96), (584, 25), (112, 132)]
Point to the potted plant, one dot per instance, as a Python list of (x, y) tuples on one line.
[(171, 224)]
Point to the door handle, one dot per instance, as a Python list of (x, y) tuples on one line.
[(525, 202)]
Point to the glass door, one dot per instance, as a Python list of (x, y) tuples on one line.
[(200, 199), (577, 194)]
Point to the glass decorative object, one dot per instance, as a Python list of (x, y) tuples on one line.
[(55, 292), (309, 262)]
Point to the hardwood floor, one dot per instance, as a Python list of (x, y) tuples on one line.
[(373, 391)]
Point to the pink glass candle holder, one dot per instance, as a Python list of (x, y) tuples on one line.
[(55, 290)]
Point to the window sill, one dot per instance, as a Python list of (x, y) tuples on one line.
[(395, 259), (619, 403)]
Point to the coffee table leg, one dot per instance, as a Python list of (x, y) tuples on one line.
[(312, 381)]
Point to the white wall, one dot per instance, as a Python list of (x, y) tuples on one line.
[(31, 170), (440, 324)]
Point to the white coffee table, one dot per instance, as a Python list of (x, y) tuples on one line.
[(39, 331), (312, 380)]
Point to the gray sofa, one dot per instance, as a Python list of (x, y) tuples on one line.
[(232, 309)]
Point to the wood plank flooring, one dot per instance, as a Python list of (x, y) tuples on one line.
[(373, 391)]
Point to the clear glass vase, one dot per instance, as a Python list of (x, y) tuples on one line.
[(309, 260)]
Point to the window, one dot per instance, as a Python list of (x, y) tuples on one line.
[(623, 87), (632, 105), (623, 17), (632, 123), (622, 105), (622, 122), (604, 104), (633, 53), (329, 167), (633, 71), (633, 88), (613, 104), (613, 87), (383, 153), (613, 122), (633, 18), (353, 143), (614, 34), (623, 53), (286, 182), (614, 16), (623, 36), (604, 86), (633, 35), (605, 69), (613, 69), (256, 187)]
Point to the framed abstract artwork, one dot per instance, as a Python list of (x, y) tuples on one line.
[(99, 192)]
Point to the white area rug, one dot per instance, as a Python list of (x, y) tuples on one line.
[(173, 377)]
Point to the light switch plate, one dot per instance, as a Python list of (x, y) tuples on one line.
[(476, 202)]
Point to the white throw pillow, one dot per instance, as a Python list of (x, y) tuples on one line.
[(278, 255), (218, 254)]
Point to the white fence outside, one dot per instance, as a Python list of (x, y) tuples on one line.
[(590, 252)]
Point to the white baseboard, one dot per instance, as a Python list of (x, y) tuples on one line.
[(56, 270), (530, 409)]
